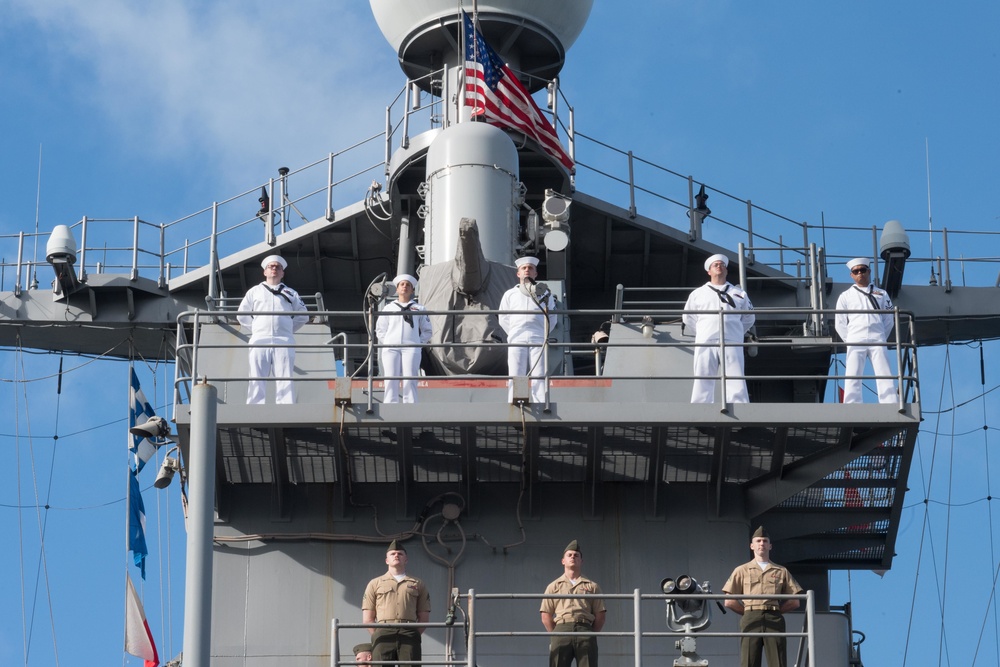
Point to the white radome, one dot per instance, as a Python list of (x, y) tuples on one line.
[(564, 18)]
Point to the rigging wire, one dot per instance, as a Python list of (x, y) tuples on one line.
[(943, 642), (926, 530), (42, 571), (20, 522), (992, 601)]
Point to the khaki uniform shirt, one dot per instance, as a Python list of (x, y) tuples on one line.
[(395, 602), (751, 580), (573, 610)]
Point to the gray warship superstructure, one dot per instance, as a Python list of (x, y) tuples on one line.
[(293, 505)]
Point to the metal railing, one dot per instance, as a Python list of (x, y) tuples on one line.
[(190, 366), (641, 639), (163, 251)]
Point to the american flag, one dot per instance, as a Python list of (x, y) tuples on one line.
[(494, 93)]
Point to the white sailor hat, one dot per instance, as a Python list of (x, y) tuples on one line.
[(521, 261), (272, 259), (407, 277), (716, 258), (857, 261)]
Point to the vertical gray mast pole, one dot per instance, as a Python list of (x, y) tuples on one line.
[(201, 484)]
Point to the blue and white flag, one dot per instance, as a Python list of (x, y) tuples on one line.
[(139, 413), (136, 523)]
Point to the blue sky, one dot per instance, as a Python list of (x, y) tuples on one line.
[(157, 110)]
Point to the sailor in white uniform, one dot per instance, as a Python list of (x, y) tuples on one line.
[(408, 329), (714, 296), (272, 295), (855, 327), (526, 333)]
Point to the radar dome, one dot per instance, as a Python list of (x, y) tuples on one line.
[(530, 35)]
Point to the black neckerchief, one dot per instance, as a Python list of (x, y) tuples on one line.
[(870, 296), (406, 312), (724, 295), (278, 291)]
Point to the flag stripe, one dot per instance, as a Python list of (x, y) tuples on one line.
[(138, 639), (139, 413), (496, 94), (136, 524)]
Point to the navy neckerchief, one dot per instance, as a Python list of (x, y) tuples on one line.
[(278, 291), (406, 311), (724, 295), (870, 296)]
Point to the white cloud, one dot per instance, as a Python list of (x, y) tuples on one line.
[(238, 85)]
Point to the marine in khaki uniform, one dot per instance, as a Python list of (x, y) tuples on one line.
[(395, 597), (363, 654), (762, 577), (573, 614)]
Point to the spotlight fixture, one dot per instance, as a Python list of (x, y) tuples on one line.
[(166, 474), (170, 466), (155, 428), (555, 213)]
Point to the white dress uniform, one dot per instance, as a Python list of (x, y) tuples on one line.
[(401, 361), (705, 328), (866, 328), (272, 330), (526, 330)]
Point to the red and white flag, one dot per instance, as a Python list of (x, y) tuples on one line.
[(494, 92), (138, 638)]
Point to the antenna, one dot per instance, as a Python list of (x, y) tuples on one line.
[(930, 227)]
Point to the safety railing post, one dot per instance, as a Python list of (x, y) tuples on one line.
[(571, 139), (82, 255), (742, 267), (694, 230), (329, 188), (946, 277), (20, 256), (134, 273), (900, 400), (722, 362), (371, 359), (637, 636), (811, 627), (335, 643), (269, 219), (388, 138), (161, 281), (631, 186), (213, 253), (471, 650), (404, 141)]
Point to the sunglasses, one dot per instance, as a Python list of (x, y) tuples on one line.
[(860, 269)]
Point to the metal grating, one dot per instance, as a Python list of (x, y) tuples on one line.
[(869, 481), (688, 453), (311, 455), (562, 456), (373, 454), (873, 554), (499, 453), (625, 453), (246, 455), (438, 454)]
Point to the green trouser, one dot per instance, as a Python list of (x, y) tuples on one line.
[(751, 647), (563, 650), (396, 644)]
